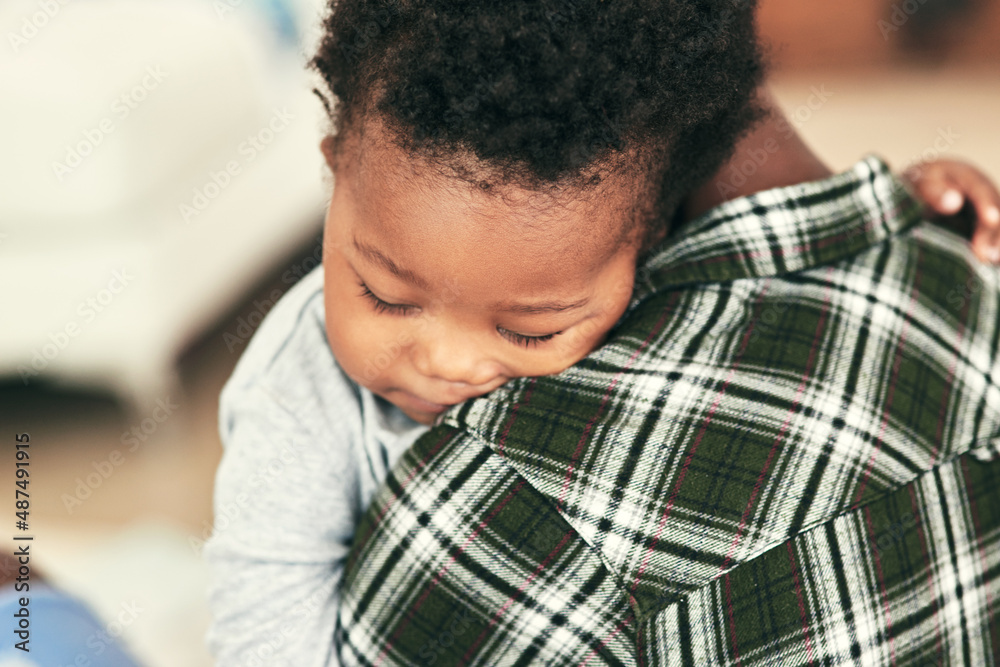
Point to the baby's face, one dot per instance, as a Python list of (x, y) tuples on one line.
[(436, 293)]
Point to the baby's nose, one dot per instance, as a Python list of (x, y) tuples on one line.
[(454, 359)]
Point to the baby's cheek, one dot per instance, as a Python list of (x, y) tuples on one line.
[(592, 334), (347, 343), (360, 357), (553, 362), (373, 351)]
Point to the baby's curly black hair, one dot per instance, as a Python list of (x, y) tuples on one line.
[(541, 91)]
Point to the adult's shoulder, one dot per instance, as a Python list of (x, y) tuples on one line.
[(796, 354)]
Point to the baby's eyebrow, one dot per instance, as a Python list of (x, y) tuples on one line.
[(543, 307), (374, 255)]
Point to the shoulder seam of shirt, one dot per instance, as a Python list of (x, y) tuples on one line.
[(810, 528)]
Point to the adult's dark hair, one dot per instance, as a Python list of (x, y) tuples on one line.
[(545, 91)]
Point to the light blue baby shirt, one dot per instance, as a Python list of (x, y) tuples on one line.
[(305, 449)]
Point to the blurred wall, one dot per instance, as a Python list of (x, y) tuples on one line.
[(908, 80), (805, 34)]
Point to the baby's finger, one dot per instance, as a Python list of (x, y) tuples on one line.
[(939, 190), (986, 244), (986, 200)]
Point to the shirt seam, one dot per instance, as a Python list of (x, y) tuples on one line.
[(686, 596)]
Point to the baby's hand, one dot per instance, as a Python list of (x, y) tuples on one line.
[(946, 186)]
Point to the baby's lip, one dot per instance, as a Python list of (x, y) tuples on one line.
[(433, 406), (425, 405), (442, 405)]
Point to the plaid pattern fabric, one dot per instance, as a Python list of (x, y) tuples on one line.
[(786, 454)]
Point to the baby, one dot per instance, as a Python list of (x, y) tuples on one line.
[(466, 243)]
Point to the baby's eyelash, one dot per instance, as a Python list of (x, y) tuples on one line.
[(526, 341), (381, 306)]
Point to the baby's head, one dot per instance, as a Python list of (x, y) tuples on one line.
[(500, 167)]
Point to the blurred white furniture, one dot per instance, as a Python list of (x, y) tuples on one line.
[(156, 160)]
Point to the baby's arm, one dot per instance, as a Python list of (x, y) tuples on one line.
[(285, 512)]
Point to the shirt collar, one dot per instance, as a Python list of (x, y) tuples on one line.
[(782, 230), (770, 233)]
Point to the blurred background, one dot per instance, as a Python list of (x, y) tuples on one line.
[(161, 187)]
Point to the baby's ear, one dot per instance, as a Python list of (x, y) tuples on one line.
[(327, 146)]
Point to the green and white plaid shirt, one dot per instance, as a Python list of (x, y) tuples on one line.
[(786, 454)]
